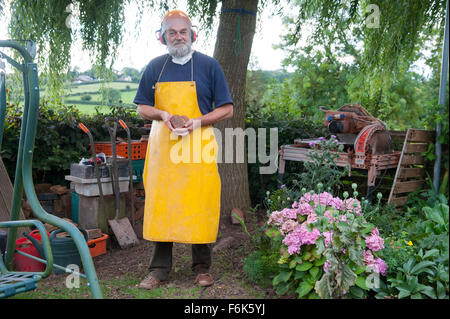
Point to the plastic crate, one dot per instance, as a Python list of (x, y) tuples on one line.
[(98, 246), (138, 149)]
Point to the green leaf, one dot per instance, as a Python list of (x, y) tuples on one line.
[(320, 262), (403, 293), (283, 288), (427, 290), (346, 279), (292, 264), (361, 282), (421, 267), (303, 289), (321, 288), (431, 253), (359, 270), (314, 271), (440, 289), (357, 292), (304, 266), (281, 277), (299, 274)]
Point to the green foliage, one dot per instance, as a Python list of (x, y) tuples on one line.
[(261, 265), (290, 128), (59, 142), (416, 248), (322, 168)]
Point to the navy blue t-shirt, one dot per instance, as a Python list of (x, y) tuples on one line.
[(211, 85)]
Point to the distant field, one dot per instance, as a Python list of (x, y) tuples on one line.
[(77, 91)]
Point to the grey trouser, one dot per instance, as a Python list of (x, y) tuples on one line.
[(161, 260)]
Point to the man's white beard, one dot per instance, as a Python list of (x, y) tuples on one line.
[(179, 52)]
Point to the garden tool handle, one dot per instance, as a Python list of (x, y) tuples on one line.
[(83, 128), (122, 123)]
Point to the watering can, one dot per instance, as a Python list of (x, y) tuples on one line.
[(64, 250)]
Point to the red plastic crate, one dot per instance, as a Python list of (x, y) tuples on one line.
[(138, 149)]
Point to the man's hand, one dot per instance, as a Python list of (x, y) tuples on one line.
[(148, 112), (166, 117), (219, 114)]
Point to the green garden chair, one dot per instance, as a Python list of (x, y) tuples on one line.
[(16, 282)]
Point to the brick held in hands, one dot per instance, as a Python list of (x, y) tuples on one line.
[(178, 121)]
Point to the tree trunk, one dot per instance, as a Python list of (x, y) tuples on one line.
[(233, 56)]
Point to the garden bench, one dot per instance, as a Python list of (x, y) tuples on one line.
[(15, 282)]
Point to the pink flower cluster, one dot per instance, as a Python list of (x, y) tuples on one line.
[(375, 242), (376, 265), (294, 228), (295, 232)]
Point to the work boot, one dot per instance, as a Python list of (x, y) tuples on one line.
[(204, 280), (149, 282)]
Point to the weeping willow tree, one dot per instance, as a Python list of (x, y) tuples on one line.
[(384, 37)]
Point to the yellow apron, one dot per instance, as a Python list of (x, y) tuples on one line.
[(181, 179)]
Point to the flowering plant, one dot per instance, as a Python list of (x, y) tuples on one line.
[(328, 249)]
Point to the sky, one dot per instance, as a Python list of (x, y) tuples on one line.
[(140, 45)]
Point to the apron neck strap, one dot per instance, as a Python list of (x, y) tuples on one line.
[(167, 59)]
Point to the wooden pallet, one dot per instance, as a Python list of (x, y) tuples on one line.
[(410, 174)]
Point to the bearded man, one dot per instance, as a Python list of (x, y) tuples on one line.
[(184, 93)]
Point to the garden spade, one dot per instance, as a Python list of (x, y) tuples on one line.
[(121, 228), (130, 168)]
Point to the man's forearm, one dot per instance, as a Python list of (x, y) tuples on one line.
[(219, 114), (149, 113)]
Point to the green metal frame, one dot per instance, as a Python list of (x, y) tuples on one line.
[(23, 176)]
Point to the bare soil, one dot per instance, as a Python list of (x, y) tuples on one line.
[(122, 270)]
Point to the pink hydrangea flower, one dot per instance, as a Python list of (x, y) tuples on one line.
[(288, 226), (276, 218), (300, 236), (368, 257), (312, 218), (380, 266), (348, 205), (328, 215), (376, 265), (375, 242), (325, 199), (289, 213), (305, 209)]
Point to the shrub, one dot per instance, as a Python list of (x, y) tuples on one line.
[(328, 249), (59, 142), (86, 97)]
